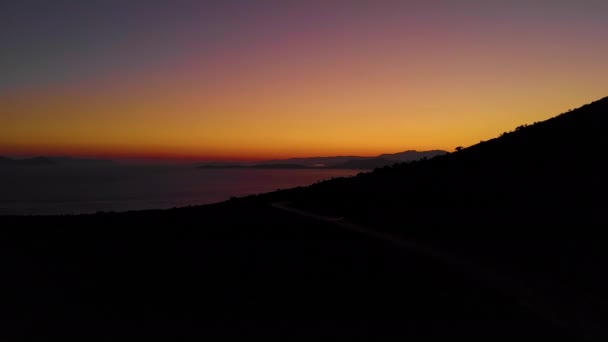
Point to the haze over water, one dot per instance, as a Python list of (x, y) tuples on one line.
[(72, 190)]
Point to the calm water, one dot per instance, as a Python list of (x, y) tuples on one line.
[(72, 190)]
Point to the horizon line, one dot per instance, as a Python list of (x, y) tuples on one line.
[(193, 158)]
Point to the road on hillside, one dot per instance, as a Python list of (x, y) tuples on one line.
[(238, 271), (509, 287)]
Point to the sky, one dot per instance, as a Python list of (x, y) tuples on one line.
[(257, 79)]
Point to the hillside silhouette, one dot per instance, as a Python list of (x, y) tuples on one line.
[(530, 203), (530, 174), (488, 243)]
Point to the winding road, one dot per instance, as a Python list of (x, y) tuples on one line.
[(514, 288)]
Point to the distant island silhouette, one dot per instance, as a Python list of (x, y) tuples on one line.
[(338, 162)]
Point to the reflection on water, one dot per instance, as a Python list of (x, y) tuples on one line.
[(70, 190)]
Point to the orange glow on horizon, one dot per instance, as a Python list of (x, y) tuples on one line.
[(83, 125), (365, 80)]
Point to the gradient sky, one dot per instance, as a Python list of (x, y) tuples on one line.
[(265, 79)]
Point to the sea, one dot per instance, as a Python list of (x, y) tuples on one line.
[(52, 190)]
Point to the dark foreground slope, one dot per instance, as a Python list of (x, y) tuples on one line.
[(310, 262), (530, 204), (241, 269)]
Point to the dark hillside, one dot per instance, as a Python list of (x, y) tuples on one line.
[(235, 270), (530, 204), (488, 242), (529, 175)]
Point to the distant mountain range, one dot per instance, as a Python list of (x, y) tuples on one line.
[(336, 162), (49, 161)]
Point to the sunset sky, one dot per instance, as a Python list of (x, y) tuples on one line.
[(269, 79)]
